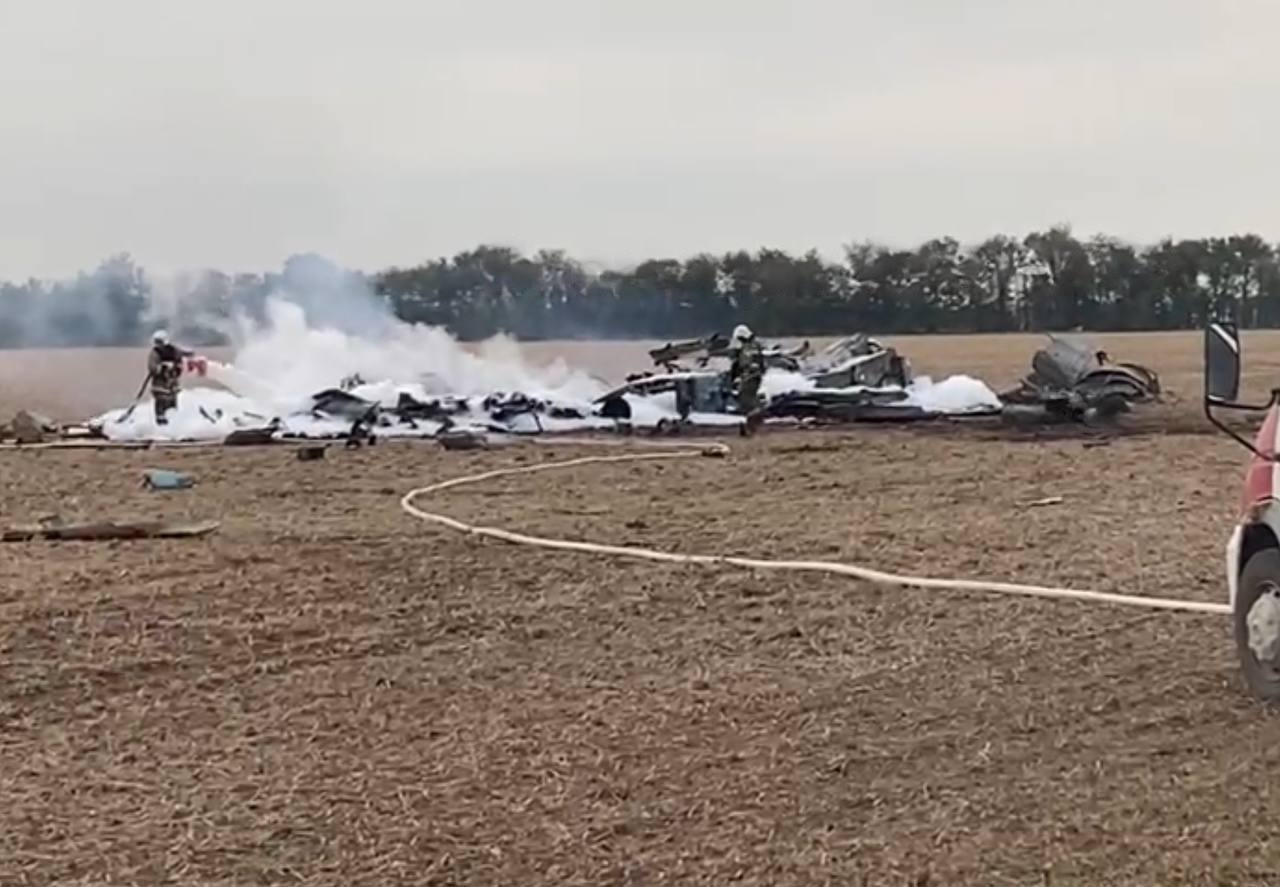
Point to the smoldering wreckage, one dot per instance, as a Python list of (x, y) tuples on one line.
[(856, 379), (688, 388)]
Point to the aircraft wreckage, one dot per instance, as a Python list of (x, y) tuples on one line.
[(855, 379), (1074, 382)]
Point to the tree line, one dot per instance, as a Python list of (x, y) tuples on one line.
[(1046, 281)]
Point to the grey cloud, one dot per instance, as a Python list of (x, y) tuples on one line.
[(234, 134)]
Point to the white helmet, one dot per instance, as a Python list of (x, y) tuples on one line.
[(160, 337), (741, 333)]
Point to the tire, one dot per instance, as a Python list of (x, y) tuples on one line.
[(1261, 576)]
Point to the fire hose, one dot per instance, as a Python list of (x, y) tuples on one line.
[(689, 451)]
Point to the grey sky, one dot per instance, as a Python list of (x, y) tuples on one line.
[(233, 133)]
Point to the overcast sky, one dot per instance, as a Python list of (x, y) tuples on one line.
[(380, 132)]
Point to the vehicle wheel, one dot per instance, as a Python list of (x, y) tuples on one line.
[(1257, 624)]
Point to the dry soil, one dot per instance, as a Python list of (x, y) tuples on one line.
[(328, 692)]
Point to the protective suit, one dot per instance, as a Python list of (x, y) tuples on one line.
[(164, 369), (746, 372)]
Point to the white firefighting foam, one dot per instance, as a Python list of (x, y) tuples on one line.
[(280, 365)]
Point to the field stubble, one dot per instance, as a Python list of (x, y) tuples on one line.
[(327, 692)]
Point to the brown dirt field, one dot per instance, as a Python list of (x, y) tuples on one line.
[(327, 692)]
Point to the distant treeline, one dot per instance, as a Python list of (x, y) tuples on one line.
[(1048, 280)]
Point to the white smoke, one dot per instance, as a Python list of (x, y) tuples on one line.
[(288, 358), (321, 325)]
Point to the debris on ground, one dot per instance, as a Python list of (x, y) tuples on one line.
[(341, 404), (853, 405), (1072, 381), (462, 440), (56, 529), (718, 345), (857, 361), (853, 379), (164, 479), (252, 437), (1041, 503), (33, 428), (704, 391)]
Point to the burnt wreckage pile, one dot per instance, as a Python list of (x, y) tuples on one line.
[(853, 379), (500, 407), (856, 379), (1075, 382)]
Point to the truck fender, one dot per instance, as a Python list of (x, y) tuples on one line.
[(1246, 540)]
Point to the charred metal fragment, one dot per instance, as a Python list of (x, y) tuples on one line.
[(341, 404), (858, 361), (1075, 382)]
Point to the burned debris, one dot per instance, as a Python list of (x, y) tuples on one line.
[(858, 361), (857, 405), (497, 412), (29, 428), (717, 345), (1072, 381), (56, 528), (853, 379), (703, 391)]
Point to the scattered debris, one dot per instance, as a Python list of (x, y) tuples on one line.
[(858, 361), (706, 391), (614, 406), (854, 361), (1075, 382), (669, 427), (463, 440), (341, 404), (32, 428), (850, 380), (717, 345), (854, 379), (438, 410), (81, 432), (249, 437), (1041, 503), (163, 479), (311, 454), (852, 405), (56, 529)]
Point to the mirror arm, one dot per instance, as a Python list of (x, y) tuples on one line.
[(1209, 404), (1238, 407)]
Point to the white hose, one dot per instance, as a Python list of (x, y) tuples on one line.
[(686, 451)]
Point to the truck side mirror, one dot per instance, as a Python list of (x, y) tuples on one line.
[(1221, 363)]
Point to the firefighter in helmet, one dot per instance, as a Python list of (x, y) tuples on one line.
[(746, 373), (164, 369)]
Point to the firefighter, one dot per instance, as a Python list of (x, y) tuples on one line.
[(164, 370), (746, 372)]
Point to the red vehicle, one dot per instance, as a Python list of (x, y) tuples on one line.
[(1253, 553)]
